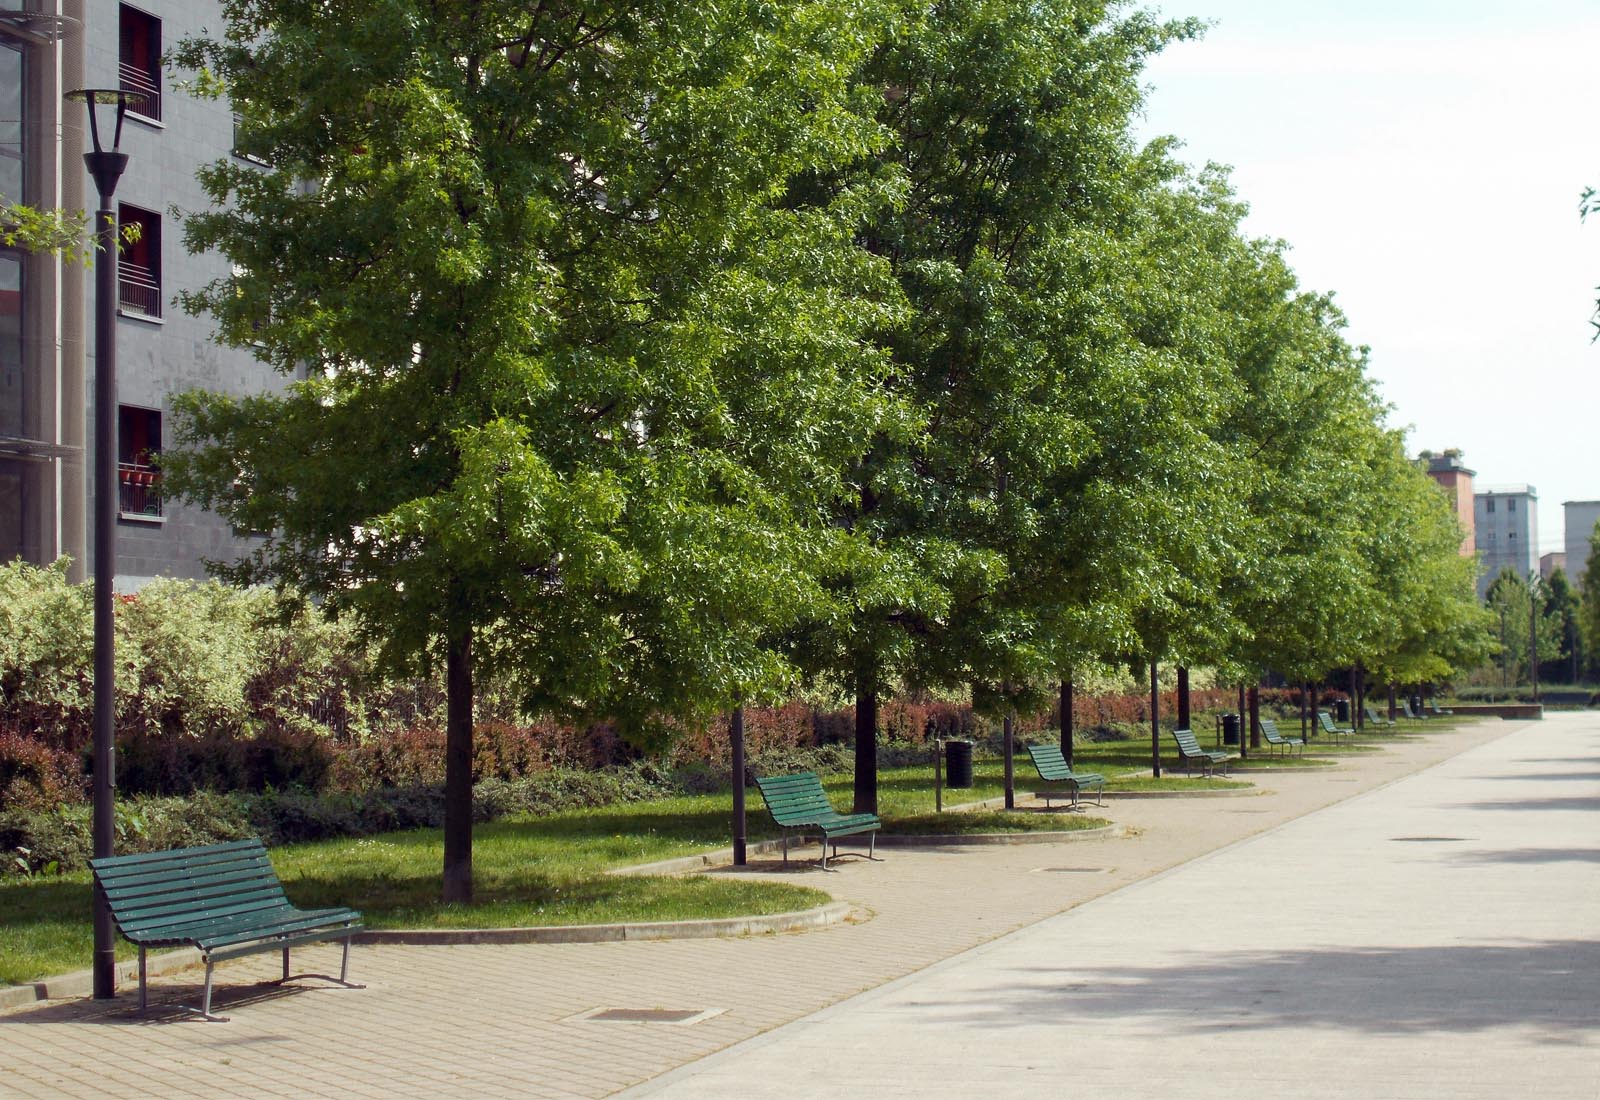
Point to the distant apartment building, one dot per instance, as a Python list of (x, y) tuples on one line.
[(46, 364), (1455, 479), (1580, 516), (1506, 521), (1549, 563)]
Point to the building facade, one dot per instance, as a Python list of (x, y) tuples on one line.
[(47, 306), (1549, 563), (1506, 520), (1452, 475), (1580, 517)]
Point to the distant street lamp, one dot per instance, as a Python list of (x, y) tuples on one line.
[(105, 166)]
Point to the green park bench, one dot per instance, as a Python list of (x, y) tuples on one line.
[(799, 805), (1374, 719), (1331, 728), (224, 899), (1189, 749), (1052, 767), (1404, 707), (1437, 711), (1270, 734)]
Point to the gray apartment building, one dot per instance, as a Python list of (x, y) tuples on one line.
[(1580, 517), (46, 305), (1506, 523)]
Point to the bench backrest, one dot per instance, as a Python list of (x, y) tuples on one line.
[(1372, 716), (1327, 722), (1187, 744), (1405, 707), (795, 799), (1050, 762), (157, 892), (1269, 729)]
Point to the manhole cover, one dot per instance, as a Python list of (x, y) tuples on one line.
[(1431, 839), (680, 1016)]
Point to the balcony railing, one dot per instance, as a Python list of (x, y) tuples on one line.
[(138, 490), (137, 289), (146, 92)]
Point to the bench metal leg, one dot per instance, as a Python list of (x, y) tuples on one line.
[(144, 992), (205, 1003), (285, 964), (825, 851)]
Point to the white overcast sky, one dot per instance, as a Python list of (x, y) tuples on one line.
[(1424, 159)]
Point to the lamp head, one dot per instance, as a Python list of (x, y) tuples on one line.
[(106, 165)]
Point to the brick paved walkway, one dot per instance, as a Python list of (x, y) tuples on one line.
[(495, 1021)]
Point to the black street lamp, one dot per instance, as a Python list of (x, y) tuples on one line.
[(105, 166)]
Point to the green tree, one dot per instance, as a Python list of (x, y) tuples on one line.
[(1589, 599), (573, 374), (1562, 606)]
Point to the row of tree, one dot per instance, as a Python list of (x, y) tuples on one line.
[(655, 357)]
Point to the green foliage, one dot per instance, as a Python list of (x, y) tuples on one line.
[(578, 380), (193, 659), (1589, 598)]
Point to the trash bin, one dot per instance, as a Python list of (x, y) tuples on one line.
[(958, 764), (1341, 711), (1230, 729)]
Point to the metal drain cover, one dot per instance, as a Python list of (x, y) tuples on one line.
[(682, 1017)]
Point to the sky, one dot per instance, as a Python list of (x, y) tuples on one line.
[(1424, 160)]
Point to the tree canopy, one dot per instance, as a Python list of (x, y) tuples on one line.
[(654, 357)]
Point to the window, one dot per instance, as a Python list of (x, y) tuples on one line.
[(138, 479), (139, 267), (1489, 505), (1511, 505), (1511, 534), (140, 57), (13, 107)]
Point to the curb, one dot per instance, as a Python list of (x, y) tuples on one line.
[(80, 983), (943, 840), (700, 862), (799, 920), (1228, 792)]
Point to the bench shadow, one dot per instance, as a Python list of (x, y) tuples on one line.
[(170, 1003), (1461, 989)]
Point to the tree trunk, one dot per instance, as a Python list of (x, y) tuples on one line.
[(1066, 720), (1183, 698), (1245, 726), (736, 743), (866, 786), (1011, 763), (458, 766), (1255, 716), (1393, 710), (1155, 723)]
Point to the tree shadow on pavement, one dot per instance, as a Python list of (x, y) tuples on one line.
[(1460, 988)]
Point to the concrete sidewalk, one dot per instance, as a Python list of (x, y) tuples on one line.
[(511, 1020), (1434, 938)]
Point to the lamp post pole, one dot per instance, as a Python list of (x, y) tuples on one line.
[(105, 167)]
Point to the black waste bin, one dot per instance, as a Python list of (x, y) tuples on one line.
[(958, 764), (1230, 729), (1341, 710)]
